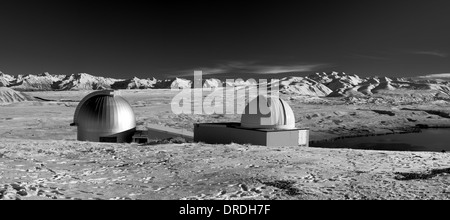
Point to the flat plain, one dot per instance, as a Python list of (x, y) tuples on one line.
[(41, 159)]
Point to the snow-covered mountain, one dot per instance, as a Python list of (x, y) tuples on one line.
[(41, 82), (84, 81), (332, 84), (346, 85), (5, 79), (212, 83), (135, 83), (181, 84), (303, 86)]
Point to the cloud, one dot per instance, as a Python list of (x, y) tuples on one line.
[(438, 75), (431, 53), (258, 68)]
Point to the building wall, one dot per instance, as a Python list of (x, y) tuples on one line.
[(223, 134), (96, 136)]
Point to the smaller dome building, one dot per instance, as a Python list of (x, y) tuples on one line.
[(266, 112), (266, 121), (104, 116)]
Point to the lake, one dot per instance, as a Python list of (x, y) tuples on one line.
[(435, 140)]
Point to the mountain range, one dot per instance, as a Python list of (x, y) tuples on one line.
[(334, 84)]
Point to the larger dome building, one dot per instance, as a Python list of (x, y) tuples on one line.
[(104, 116)]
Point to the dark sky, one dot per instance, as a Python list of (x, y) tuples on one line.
[(172, 38)]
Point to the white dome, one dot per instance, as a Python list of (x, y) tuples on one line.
[(272, 113), (105, 117)]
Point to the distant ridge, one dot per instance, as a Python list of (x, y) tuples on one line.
[(333, 84)]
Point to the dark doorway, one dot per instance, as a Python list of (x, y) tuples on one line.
[(140, 140)]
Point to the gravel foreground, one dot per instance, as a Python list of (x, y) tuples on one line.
[(81, 170)]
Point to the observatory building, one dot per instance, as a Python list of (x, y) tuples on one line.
[(104, 116), (266, 121)]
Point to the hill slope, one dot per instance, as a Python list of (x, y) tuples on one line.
[(8, 95)]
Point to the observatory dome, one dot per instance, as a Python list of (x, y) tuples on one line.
[(105, 116), (266, 112)]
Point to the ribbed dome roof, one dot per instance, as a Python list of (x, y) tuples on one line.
[(103, 114), (273, 113)]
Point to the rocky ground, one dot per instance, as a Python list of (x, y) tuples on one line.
[(40, 159), (75, 170)]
